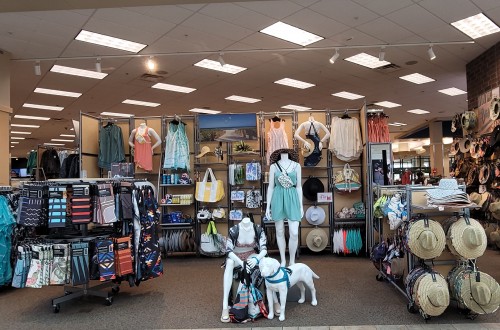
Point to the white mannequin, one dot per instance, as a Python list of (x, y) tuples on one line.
[(293, 226), (305, 127), (246, 236), (141, 130)]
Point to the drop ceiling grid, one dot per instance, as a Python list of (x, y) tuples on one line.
[(384, 7), (172, 14), (346, 12), (274, 9), (451, 10)]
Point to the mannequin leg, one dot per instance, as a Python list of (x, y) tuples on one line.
[(228, 281), (293, 230), (280, 239)]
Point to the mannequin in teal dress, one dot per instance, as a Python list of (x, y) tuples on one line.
[(284, 200)]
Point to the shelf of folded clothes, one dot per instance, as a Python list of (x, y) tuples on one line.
[(445, 206)]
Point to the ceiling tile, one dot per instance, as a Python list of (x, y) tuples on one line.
[(73, 18), (274, 9), (229, 12), (305, 3), (345, 12), (173, 14), (416, 19), (316, 23), (385, 30), (216, 27), (384, 7), (354, 37), (451, 10), (444, 33), (485, 5)]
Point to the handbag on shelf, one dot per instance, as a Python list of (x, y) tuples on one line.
[(237, 196), (253, 199), (209, 191), (347, 180), (236, 215), (212, 244)]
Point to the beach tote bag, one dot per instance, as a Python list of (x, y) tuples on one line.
[(347, 180), (209, 191)]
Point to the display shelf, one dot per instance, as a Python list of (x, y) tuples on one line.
[(244, 154), (176, 204), (181, 225), (445, 208), (210, 164), (316, 167), (176, 185), (349, 219)]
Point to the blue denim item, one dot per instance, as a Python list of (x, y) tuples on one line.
[(314, 158)]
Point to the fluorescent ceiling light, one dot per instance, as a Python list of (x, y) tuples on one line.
[(19, 132), (349, 96), (14, 142), (116, 114), (447, 140), (295, 107), (387, 104), (31, 117), (242, 99), (452, 91), (173, 88), (62, 140), (367, 60), (417, 78), (78, 72), (56, 92), (108, 41), (23, 125), (291, 33), (143, 103), (294, 83), (476, 26), (17, 138), (418, 111), (215, 65), (43, 107), (68, 135), (71, 129), (207, 111), (397, 124), (53, 144)]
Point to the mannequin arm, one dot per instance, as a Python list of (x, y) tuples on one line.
[(270, 189), (327, 134), (131, 138), (299, 189), (300, 138), (252, 262), (235, 258), (153, 133)]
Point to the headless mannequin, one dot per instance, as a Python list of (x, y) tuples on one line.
[(317, 126), (293, 226), (141, 130), (246, 236)]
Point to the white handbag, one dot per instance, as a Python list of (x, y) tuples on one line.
[(212, 244)]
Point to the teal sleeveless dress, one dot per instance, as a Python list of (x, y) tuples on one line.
[(285, 203)]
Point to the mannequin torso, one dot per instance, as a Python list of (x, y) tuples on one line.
[(309, 127)]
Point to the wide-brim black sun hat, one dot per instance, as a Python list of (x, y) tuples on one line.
[(276, 155), (312, 187)]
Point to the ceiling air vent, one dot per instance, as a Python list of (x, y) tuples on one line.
[(151, 77), (389, 68)]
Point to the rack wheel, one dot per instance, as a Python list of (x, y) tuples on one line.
[(115, 289), (56, 308), (109, 301), (411, 308), (379, 278)]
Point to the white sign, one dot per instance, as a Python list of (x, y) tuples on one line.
[(325, 197)]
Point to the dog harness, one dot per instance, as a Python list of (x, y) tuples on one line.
[(285, 278)]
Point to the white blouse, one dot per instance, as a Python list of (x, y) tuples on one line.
[(345, 139), (276, 139)]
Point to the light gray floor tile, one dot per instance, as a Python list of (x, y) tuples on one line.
[(314, 328), (361, 327), (392, 327), (469, 326), (438, 326), (290, 328), (337, 327), (491, 326)]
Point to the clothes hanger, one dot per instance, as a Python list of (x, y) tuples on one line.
[(345, 115), (176, 119), (276, 117)]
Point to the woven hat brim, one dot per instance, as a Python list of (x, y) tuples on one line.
[(466, 294), (322, 216), (275, 156), (416, 229), (310, 240), (455, 237), (425, 286)]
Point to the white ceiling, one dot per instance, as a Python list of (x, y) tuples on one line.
[(227, 27)]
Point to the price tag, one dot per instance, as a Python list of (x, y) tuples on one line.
[(325, 197)]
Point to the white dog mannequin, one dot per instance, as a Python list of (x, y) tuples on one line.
[(279, 280)]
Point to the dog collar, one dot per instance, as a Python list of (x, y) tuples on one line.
[(285, 278)]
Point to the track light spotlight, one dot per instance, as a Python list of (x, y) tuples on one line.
[(381, 54), (151, 63), (38, 69), (430, 51), (98, 67), (335, 56), (221, 60)]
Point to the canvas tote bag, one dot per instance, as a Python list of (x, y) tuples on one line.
[(209, 191)]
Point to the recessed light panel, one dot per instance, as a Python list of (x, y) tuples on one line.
[(108, 41), (173, 88), (242, 99), (17, 138), (295, 107), (31, 117), (14, 142), (387, 104), (207, 111), (476, 26), (397, 124), (43, 107), (417, 78), (143, 103), (19, 132), (68, 135), (116, 114), (291, 33), (23, 125), (56, 92), (418, 111), (78, 72), (452, 91), (215, 65), (367, 60), (294, 83), (53, 144), (347, 95), (61, 140)]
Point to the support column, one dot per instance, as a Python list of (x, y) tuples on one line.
[(5, 112), (437, 148)]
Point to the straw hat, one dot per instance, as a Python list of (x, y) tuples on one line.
[(455, 147), (467, 240), (494, 108), (475, 198), (464, 145), (317, 240), (315, 215), (426, 242), (276, 155), (495, 210), (446, 188), (432, 294), (483, 296), (307, 151), (205, 150)]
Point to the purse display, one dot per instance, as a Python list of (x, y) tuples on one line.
[(237, 196), (347, 180), (212, 243), (209, 191), (253, 199), (236, 215)]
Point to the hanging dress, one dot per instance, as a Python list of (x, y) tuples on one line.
[(176, 148), (143, 154), (315, 157), (276, 139), (285, 203)]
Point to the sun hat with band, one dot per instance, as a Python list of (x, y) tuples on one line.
[(315, 215), (276, 155), (311, 187), (495, 210), (455, 147), (317, 240), (494, 108), (467, 238), (205, 150), (426, 238), (464, 145), (433, 295)]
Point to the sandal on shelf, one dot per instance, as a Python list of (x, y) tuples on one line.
[(225, 316)]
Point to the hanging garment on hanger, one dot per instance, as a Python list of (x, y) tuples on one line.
[(176, 148), (32, 159), (345, 141), (61, 267), (57, 207), (276, 138), (106, 259), (111, 148), (79, 263), (315, 157), (50, 163), (143, 154), (7, 223)]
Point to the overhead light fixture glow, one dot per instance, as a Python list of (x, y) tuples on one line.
[(295, 107), (17, 138), (294, 83), (381, 54), (476, 26), (43, 107), (335, 56), (347, 95), (221, 60), (397, 124), (143, 103), (207, 111), (38, 69), (19, 132), (418, 111), (56, 92), (116, 114), (68, 135), (98, 66), (417, 78), (215, 65), (31, 117), (447, 140), (431, 53), (61, 140), (291, 33), (367, 60), (150, 63), (108, 41), (53, 144), (452, 91), (173, 88), (242, 99), (387, 104), (78, 72), (14, 142), (24, 125)]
